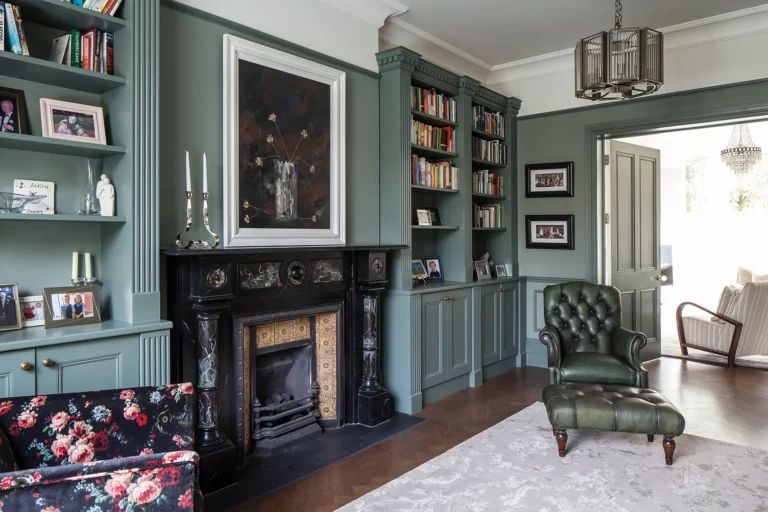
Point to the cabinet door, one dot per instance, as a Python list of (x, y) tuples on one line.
[(459, 335), (434, 323), (92, 365), (490, 326), (13, 380), (509, 295)]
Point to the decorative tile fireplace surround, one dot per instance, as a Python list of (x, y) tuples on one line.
[(282, 344)]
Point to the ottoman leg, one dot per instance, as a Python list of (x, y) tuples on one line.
[(650, 438), (562, 437), (669, 448)]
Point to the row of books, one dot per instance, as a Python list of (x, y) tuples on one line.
[(431, 102), (108, 7), (488, 216), (436, 175), (487, 121), (92, 50), (432, 136), (486, 182), (12, 29), (494, 151)]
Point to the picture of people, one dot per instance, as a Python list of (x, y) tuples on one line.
[(423, 218), (13, 118), (10, 317), (67, 306), (550, 232), (74, 123), (550, 179), (32, 311), (434, 269), (501, 271), (483, 270)]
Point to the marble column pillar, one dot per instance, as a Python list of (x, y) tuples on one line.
[(371, 364), (208, 379)]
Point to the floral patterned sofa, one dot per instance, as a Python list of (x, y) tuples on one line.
[(105, 451)]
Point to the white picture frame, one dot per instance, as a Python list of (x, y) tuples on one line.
[(235, 235), (37, 304), (88, 126)]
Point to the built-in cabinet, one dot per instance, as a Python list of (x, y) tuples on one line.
[(499, 323), (446, 335)]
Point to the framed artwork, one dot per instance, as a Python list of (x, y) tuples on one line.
[(423, 217), (501, 271), (13, 111), (10, 315), (71, 305), (284, 130), (549, 232), (434, 269), (417, 270), (549, 180), (32, 311), (434, 217), (483, 269), (72, 121)]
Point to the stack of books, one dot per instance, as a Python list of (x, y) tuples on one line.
[(486, 182), (494, 151), (431, 102), (108, 7), (488, 216), (488, 122), (436, 175), (92, 50), (432, 136)]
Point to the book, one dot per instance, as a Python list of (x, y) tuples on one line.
[(14, 43), (59, 50), (111, 8), (2, 26), (97, 52), (20, 30), (74, 48), (78, 3), (36, 188), (86, 49), (108, 53)]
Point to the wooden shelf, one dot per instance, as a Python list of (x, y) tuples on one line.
[(61, 218), (486, 163), (56, 146), (486, 135), (438, 153), (433, 120), (488, 229), (434, 189), (65, 16), (489, 196), (51, 73), (440, 228)]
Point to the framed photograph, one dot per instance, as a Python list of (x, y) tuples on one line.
[(284, 133), (434, 217), (549, 232), (72, 121), (43, 189), (32, 311), (13, 111), (423, 217), (71, 305), (549, 180), (417, 270), (483, 270), (434, 269), (10, 314), (501, 271)]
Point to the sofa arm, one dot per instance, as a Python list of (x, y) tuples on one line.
[(162, 481), (551, 338), (626, 344)]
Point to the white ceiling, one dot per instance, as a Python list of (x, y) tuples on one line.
[(501, 31)]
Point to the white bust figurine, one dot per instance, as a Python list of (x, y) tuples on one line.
[(105, 192)]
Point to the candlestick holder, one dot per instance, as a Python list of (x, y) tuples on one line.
[(80, 281), (91, 280), (189, 244), (197, 244), (208, 224)]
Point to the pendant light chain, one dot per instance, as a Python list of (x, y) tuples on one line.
[(618, 14)]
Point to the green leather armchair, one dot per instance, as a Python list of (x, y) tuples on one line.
[(584, 338)]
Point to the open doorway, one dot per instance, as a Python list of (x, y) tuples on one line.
[(685, 225)]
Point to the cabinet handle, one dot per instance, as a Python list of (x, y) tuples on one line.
[(502, 289), (450, 297), (446, 298), (26, 366), (47, 362)]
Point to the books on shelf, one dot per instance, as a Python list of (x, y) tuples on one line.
[(92, 50), (433, 103), (435, 175), (433, 137), (487, 121), (2, 26), (488, 216), (494, 151), (486, 182), (108, 7), (14, 29)]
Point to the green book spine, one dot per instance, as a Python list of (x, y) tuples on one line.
[(74, 48)]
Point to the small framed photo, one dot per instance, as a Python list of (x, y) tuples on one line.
[(423, 217), (434, 269), (72, 121), (549, 232), (71, 305), (434, 217), (549, 180), (501, 271), (10, 314), (417, 270), (13, 111), (32, 311), (483, 270)]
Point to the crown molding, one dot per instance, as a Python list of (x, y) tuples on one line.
[(373, 12)]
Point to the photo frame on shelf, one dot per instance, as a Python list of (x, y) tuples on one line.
[(32, 311), (72, 121), (434, 216), (10, 313), (549, 180), (549, 232), (71, 305), (418, 272), (501, 271), (434, 269), (423, 217), (483, 270), (13, 111)]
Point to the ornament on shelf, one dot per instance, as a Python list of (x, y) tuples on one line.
[(197, 244), (76, 280), (89, 202), (105, 193)]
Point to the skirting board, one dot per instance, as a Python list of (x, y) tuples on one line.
[(535, 353), (444, 389), (499, 367)]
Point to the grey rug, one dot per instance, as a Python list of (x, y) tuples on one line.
[(514, 466)]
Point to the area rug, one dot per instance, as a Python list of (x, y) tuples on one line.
[(672, 348), (514, 466)]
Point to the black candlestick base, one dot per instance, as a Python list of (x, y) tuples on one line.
[(374, 407)]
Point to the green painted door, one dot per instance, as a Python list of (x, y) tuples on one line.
[(459, 336), (93, 365), (17, 373), (490, 327), (508, 307), (635, 250), (434, 331)]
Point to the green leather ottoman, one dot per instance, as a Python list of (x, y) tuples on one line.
[(614, 408)]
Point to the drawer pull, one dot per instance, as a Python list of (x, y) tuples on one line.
[(502, 289), (446, 298), (26, 366), (450, 297), (47, 362)]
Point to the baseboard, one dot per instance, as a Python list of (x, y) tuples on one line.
[(499, 367), (476, 378), (444, 389)]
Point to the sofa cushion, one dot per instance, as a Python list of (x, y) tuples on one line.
[(595, 366), (7, 458), (727, 297)]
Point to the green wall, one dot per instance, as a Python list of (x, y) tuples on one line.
[(191, 118)]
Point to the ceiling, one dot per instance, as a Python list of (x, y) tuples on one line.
[(501, 31)]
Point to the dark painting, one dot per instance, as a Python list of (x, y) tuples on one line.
[(285, 149)]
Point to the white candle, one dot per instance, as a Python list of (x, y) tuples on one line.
[(75, 264), (88, 273), (189, 180), (205, 174)]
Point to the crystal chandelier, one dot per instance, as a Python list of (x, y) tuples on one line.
[(741, 154), (619, 64)]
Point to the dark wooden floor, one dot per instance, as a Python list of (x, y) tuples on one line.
[(728, 405)]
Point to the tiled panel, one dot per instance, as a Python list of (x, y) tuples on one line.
[(325, 339)]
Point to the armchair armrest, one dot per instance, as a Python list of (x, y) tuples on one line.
[(737, 326), (626, 344), (551, 338)]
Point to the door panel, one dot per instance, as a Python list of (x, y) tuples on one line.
[(628, 310), (624, 212), (648, 214), (432, 332), (460, 335), (13, 380), (648, 320), (508, 320), (490, 324)]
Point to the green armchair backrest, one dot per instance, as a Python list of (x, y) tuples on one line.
[(584, 314)]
